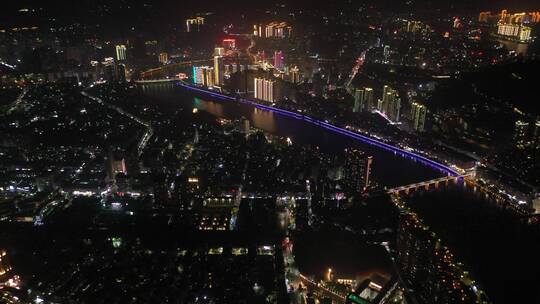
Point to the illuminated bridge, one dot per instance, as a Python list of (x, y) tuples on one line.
[(170, 69), (157, 80), (427, 184), (363, 138)]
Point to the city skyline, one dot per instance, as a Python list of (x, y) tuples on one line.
[(293, 153)]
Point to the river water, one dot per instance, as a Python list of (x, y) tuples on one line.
[(388, 169)]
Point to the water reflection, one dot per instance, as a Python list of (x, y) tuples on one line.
[(214, 108), (263, 120), (388, 168)]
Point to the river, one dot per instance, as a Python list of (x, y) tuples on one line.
[(389, 169)]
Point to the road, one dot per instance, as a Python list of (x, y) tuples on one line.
[(149, 130), (18, 101)]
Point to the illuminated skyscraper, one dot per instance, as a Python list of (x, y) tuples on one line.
[(197, 75), (203, 75), (358, 100), (163, 58), (208, 74), (121, 52), (279, 60), (219, 51), (363, 100), (294, 75), (521, 129), (194, 24), (515, 31), (418, 116), (264, 89), (368, 99), (391, 104), (218, 70), (386, 53), (273, 30), (121, 72), (367, 175), (357, 170)]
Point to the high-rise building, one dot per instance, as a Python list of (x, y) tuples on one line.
[(418, 116), (368, 99), (203, 75), (121, 52), (391, 104), (273, 30), (521, 129), (357, 170), (279, 60), (386, 53), (219, 51), (363, 100), (163, 58), (218, 70), (457, 23), (264, 89), (208, 74), (367, 175), (121, 72), (294, 75), (194, 24), (109, 69), (197, 75), (514, 31), (358, 100)]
